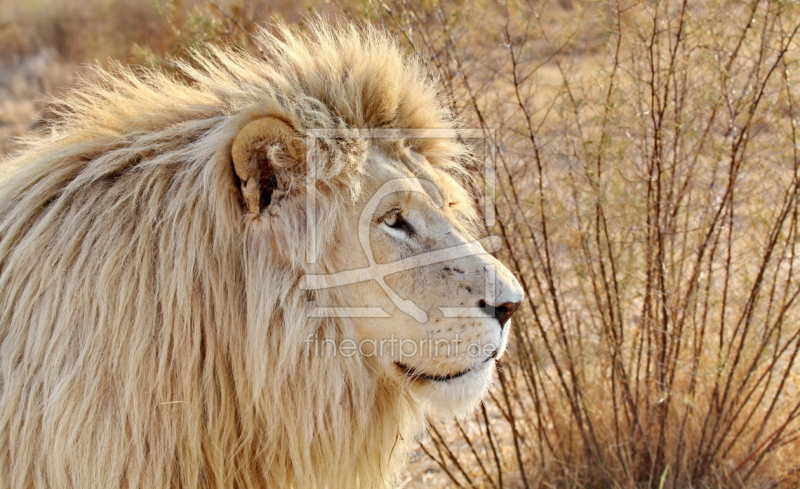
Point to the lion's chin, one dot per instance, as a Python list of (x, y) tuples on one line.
[(451, 395)]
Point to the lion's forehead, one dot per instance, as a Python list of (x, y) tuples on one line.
[(385, 166)]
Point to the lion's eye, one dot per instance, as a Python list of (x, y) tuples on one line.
[(392, 219)]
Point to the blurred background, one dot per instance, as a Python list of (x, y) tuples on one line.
[(648, 178), (46, 46)]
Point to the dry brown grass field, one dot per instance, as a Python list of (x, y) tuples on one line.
[(647, 188)]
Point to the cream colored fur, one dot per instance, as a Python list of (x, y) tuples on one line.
[(152, 332)]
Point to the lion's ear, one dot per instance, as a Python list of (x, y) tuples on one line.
[(253, 152)]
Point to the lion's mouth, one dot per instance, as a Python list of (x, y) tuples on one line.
[(415, 374)]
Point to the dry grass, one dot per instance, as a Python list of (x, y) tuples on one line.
[(46, 44), (91, 31), (648, 186)]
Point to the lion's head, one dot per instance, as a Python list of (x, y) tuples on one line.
[(448, 322), (429, 305), (263, 279)]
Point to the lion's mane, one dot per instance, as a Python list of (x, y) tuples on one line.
[(151, 332)]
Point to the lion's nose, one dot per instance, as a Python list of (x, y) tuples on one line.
[(504, 311)]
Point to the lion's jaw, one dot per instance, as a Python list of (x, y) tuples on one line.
[(443, 347)]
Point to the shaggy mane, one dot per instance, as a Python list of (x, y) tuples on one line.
[(151, 333)]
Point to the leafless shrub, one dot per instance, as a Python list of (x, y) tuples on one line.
[(648, 166)]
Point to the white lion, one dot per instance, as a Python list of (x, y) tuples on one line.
[(153, 328)]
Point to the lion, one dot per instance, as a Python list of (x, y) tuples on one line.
[(185, 295)]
